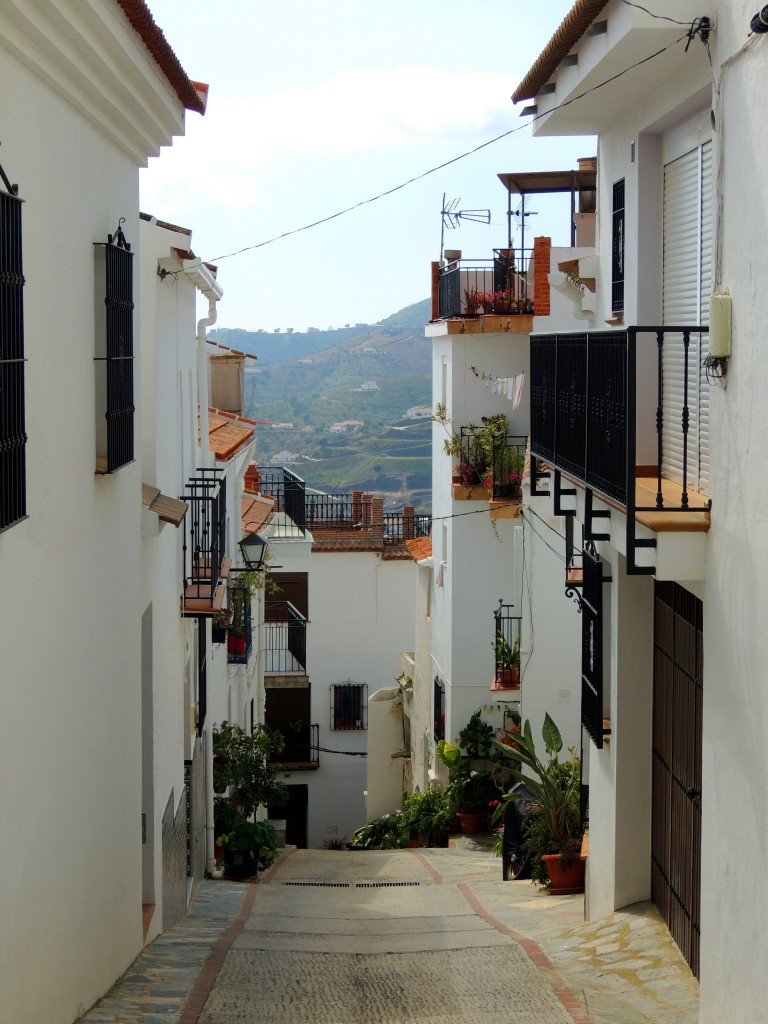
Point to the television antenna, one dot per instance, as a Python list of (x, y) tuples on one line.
[(520, 214), (452, 217)]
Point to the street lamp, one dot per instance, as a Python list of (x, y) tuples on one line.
[(254, 551)]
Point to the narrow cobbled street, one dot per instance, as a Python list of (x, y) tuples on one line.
[(402, 937)]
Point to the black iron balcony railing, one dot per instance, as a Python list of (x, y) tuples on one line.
[(288, 490), (285, 638), (399, 526), (331, 511), (204, 535), (301, 746), (240, 633), (507, 465), (503, 285), (506, 647), (588, 421)]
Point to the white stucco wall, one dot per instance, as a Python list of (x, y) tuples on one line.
[(70, 600), (732, 583), (385, 737)]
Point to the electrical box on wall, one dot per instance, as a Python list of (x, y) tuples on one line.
[(720, 325)]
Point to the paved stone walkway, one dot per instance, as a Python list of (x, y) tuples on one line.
[(405, 937)]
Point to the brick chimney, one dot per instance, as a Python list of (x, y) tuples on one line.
[(252, 480), (542, 247)]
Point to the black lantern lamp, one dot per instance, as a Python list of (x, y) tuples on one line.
[(254, 551)]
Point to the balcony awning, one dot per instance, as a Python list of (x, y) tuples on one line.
[(169, 510), (539, 182)]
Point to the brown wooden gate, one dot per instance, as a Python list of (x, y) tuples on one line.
[(677, 703)]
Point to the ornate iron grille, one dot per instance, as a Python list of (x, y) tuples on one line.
[(13, 437), (617, 261), (114, 353), (592, 648), (349, 706), (438, 708)]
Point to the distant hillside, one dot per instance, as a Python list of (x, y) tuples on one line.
[(371, 375), (272, 348)]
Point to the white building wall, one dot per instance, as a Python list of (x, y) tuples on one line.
[(70, 602), (362, 613)]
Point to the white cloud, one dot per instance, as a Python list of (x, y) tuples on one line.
[(354, 111)]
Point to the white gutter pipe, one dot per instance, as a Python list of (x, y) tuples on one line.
[(206, 283)]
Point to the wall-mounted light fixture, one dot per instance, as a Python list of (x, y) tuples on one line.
[(760, 21)]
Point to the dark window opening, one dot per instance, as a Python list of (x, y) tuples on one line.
[(617, 262), (439, 708), (114, 353), (13, 437), (349, 706)]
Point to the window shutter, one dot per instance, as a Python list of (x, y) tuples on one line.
[(13, 438), (687, 274)]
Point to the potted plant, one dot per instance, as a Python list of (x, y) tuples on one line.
[(507, 663), (468, 790), (427, 817), (219, 625), (248, 846), (553, 831), (385, 833)]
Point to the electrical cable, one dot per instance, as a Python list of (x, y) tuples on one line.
[(660, 17), (447, 163)]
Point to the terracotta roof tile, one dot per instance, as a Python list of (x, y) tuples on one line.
[(572, 28), (192, 94), (256, 510), (420, 548), (227, 433)]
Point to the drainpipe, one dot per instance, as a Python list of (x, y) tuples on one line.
[(205, 281)]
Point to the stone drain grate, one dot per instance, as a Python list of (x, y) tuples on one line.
[(353, 885)]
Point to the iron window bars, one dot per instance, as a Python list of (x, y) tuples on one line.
[(617, 258), (114, 352), (438, 708), (13, 437), (285, 638), (349, 706)]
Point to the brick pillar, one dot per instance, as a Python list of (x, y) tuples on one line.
[(367, 517), (408, 527), (251, 480), (377, 518), (541, 268), (357, 508), (435, 291)]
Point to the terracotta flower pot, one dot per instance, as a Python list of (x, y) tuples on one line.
[(564, 880), (471, 824)]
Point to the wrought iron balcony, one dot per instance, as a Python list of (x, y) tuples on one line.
[(503, 285), (507, 465), (301, 751), (285, 639), (240, 633), (589, 421), (506, 646), (203, 543), (288, 490), (402, 526)]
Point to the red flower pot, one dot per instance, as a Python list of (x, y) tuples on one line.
[(565, 880), (471, 824)]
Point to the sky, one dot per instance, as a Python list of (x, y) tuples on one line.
[(314, 108)]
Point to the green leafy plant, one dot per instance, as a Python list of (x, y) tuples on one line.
[(507, 655), (467, 790), (554, 825), (250, 844), (241, 763), (427, 816), (385, 833), (476, 736)]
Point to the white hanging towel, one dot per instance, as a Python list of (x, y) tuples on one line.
[(518, 381), (439, 579)]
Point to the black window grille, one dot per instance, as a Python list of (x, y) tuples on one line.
[(592, 647), (202, 676), (13, 437), (439, 708), (114, 353), (617, 263), (349, 705)]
